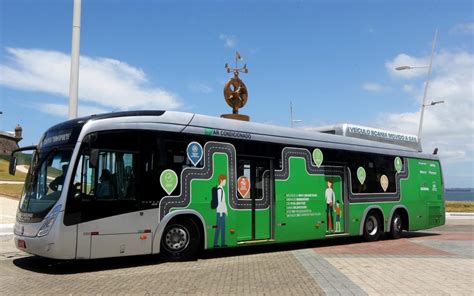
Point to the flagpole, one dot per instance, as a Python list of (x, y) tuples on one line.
[(74, 75)]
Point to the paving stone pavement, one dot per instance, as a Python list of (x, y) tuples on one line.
[(435, 262), (277, 273)]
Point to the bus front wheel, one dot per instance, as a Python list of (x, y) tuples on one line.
[(180, 240), (372, 227)]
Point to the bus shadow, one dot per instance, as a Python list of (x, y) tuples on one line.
[(56, 267), (51, 266), (286, 247)]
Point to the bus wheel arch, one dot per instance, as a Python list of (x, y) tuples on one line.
[(187, 226), (372, 224)]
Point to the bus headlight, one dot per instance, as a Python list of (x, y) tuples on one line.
[(49, 221)]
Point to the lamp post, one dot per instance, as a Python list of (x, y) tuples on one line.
[(425, 92)]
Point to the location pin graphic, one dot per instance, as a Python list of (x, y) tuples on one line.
[(361, 175), (398, 164), (168, 181), (318, 157), (384, 182)]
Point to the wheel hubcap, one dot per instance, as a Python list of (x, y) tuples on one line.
[(176, 239), (397, 224), (372, 225)]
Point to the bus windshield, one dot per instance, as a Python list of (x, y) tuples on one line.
[(45, 180)]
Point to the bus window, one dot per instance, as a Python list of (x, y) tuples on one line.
[(116, 180), (160, 151), (380, 173)]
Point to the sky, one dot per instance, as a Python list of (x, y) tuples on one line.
[(334, 60)]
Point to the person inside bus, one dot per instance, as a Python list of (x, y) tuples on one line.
[(104, 187), (58, 182)]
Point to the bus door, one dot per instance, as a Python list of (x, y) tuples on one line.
[(336, 201), (255, 191)]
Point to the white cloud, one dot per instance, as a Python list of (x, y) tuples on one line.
[(106, 82), (373, 87), (200, 87), (406, 60), (464, 28), (62, 110), (229, 40), (449, 126)]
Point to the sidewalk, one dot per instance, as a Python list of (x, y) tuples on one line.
[(8, 207)]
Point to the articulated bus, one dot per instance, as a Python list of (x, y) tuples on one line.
[(149, 182)]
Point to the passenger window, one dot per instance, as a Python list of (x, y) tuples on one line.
[(160, 151), (112, 179), (116, 179), (379, 173)]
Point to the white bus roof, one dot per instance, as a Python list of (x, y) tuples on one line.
[(227, 128)]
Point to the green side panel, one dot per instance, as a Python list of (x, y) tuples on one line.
[(243, 229), (421, 194), (262, 224), (238, 223), (201, 194), (300, 203)]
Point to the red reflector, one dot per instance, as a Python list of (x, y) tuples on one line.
[(95, 233), (147, 230), (232, 230), (21, 244)]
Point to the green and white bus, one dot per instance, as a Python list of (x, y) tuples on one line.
[(149, 182)]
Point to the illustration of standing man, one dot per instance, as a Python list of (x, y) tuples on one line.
[(330, 198), (221, 212)]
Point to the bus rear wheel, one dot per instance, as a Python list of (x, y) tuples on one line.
[(372, 227), (396, 226), (180, 240)]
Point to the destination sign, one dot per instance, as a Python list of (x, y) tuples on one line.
[(376, 133), (56, 138)]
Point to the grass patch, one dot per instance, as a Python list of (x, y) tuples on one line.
[(13, 190), (460, 206), (5, 176)]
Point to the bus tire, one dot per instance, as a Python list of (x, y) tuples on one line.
[(372, 227), (180, 240), (396, 226)]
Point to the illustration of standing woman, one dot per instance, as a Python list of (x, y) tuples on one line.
[(221, 212), (330, 198)]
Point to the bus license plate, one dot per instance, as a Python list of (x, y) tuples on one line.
[(21, 244)]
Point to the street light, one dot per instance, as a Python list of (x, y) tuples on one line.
[(401, 68), (409, 67), (434, 103)]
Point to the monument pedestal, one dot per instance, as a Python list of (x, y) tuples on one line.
[(241, 117)]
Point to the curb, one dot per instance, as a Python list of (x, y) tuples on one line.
[(459, 215)]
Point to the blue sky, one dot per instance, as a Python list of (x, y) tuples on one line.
[(333, 59)]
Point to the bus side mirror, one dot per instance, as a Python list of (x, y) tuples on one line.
[(94, 157), (12, 167)]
